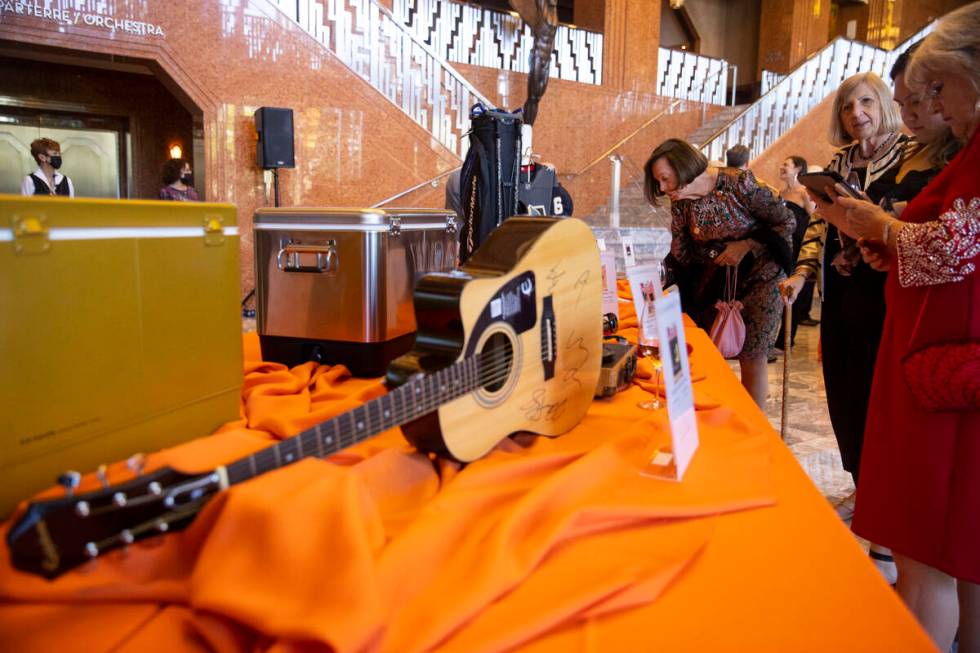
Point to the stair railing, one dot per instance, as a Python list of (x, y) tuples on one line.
[(430, 183), (377, 47), (465, 33), (689, 76), (791, 98)]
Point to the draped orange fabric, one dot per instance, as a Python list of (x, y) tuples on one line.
[(544, 544)]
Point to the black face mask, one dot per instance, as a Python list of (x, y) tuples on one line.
[(56, 161), (188, 179)]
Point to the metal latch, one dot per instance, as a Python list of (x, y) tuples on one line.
[(294, 257), (395, 228), (451, 224), (214, 230), (31, 234)]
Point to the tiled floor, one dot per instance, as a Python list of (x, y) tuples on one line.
[(808, 434)]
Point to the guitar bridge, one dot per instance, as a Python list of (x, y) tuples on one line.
[(549, 338)]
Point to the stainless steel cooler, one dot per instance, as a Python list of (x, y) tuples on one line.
[(335, 285)]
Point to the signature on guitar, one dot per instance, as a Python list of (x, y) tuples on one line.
[(575, 344), (538, 408)]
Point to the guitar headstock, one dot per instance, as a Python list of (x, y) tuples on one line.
[(56, 535)]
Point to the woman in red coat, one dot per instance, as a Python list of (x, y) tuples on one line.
[(920, 471)]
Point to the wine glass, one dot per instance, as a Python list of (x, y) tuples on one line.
[(649, 347)]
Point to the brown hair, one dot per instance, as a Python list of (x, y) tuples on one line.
[(891, 120), (41, 146), (171, 170), (737, 156), (686, 161)]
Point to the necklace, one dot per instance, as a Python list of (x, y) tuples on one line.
[(876, 150)]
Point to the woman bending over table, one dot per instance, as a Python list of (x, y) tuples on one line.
[(722, 217)]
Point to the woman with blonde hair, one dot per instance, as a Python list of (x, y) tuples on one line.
[(866, 123), (920, 488)]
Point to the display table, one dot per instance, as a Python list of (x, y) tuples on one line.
[(543, 545)]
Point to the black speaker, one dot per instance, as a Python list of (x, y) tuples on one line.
[(274, 148)]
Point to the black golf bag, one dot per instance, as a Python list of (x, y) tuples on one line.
[(488, 181)]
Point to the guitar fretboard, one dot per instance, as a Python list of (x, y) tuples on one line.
[(419, 396)]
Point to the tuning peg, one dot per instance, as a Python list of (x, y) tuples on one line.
[(119, 499), (103, 476), (70, 480), (136, 463), (92, 550)]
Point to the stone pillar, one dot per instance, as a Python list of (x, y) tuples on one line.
[(791, 30), (630, 41)]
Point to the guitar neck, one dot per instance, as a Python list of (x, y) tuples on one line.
[(420, 395)]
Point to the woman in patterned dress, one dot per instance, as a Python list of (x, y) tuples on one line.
[(920, 488), (723, 217)]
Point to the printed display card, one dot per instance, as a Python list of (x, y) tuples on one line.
[(676, 370)]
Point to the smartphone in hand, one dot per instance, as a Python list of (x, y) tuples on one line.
[(819, 182)]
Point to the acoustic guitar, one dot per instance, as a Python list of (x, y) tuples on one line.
[(510, 342)]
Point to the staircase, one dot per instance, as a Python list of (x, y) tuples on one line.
[(761, 123), (710, 128), (647, 225), (378, 48)]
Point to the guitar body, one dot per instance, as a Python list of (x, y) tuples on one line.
[(528, 306), (512, 342)]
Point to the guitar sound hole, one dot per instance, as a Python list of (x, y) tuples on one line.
[(497, 357)]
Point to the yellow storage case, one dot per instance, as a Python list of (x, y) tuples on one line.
[(120, 332)]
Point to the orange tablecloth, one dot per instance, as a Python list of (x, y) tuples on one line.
[(544, 544)]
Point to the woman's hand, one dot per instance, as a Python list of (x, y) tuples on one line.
[(862, 219), (831, 211), (875, 254), (790, 287), (734, 252)]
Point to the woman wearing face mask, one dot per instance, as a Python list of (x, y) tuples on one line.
[(46, 180), (866, 122), (178, 181), (920, 488), (722, 217)]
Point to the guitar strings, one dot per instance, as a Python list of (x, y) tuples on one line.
[(265, 459)]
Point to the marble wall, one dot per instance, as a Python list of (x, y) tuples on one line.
[(807, 138), (227, 58), (576, 123)]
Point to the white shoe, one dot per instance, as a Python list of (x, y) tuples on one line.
[(882, 557)]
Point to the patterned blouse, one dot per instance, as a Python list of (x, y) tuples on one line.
[(736, 207), (171, 193), (811, 251)]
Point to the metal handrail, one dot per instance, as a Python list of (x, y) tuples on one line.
[(787, 79), (774, 88), (427, 182), (598, 159), (670, 108)]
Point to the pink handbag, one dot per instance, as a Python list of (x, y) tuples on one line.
[(728, 329)]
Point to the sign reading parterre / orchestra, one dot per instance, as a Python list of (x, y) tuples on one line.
[(65, 15)]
